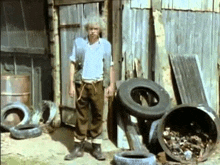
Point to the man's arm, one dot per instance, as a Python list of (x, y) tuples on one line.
[(112, 77), (72, 75), (111, 88)]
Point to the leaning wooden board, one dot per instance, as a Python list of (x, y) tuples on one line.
[(189, 79)]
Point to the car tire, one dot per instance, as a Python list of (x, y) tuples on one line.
[(134, 158), (51, 108), (25, 131), (126, 96), (47, 113), (18, 108)]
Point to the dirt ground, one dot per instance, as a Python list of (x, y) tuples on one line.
[(50, 149)]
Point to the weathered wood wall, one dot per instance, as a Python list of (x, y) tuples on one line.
[(24, 45), (190, 28), (72, 19)]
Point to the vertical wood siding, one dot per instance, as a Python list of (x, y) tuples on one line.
[(135, 39), (196, 33), (195, 5), (141, 4), (216, 5), (72, 14), (187, 32), (23, 24)]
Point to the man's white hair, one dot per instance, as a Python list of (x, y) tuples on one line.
[(94, 19)]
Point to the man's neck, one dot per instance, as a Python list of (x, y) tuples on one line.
[(93, 40)]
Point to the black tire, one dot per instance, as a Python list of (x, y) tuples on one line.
[(18, 108), (47, 114), (134, 158), (129, 89), (26, 131), (49, 111)]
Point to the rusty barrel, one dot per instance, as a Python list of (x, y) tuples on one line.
[(194, 128), (15, 88)]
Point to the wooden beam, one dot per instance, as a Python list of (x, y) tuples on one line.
[(76, 25), (72, 2), (23, 50), (163, 69), (116, 37), (216, 6)]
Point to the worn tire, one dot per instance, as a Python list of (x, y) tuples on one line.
[(127, 88), (18, 107), (46, 114), (25, 131), (51, 107), (134, 158)]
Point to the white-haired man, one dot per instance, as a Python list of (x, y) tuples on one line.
[(90, 74)]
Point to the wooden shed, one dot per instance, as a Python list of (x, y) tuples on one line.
[(37, 37), (187, 28), (24, 47)]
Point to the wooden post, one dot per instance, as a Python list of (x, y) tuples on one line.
[(116, 37), (55, 57), (163, 69)]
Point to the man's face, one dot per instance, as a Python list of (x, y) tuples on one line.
[(93, 31)]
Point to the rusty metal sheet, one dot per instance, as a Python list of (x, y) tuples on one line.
[(189, 79)]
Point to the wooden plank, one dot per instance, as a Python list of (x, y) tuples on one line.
[(182, 33), (174, 15), (216, 6), (207, 58), (23, 50), (133, 42), (197, 44), (196, 5), (207, 5), (190, 32), (215, 61), (132, 135), (141, 4), (188, 77), (144, 44), (122, 141), (116, 37), (138, 34), (131, 49), (180, 4), (167, 21), (76, 25), (167, 4), (163, 71), (126, 37), (72, 2)]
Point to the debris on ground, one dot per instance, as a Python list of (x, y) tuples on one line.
[(187, 146)]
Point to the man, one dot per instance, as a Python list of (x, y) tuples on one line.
[(90, 73)]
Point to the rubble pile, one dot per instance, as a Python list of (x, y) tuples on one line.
[(187, 146)]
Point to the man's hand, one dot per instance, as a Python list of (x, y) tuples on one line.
[(72, 90)]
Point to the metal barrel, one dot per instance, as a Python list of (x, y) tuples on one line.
[(191, 119), (15, 88)]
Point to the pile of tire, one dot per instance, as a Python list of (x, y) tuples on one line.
[(27, 125), (158, 102)]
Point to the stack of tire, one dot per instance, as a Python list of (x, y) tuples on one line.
[(128, 94), (16, 118)]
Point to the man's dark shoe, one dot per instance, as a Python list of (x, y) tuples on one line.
[(78, 151), (97, 152)]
